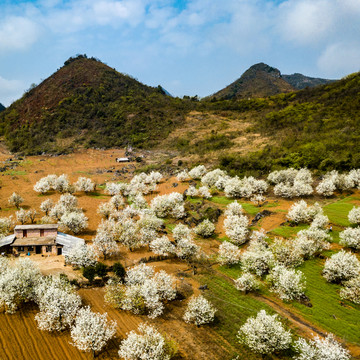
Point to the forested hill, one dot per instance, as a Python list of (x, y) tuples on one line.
[(2, 107), (315, 127), (87, 103)]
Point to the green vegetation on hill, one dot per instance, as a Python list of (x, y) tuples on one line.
[(317, 128), (86, 103)]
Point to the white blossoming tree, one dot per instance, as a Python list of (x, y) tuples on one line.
[(62, 184), (236, 228), (6, 223), (351, 290), (229, 254), (162, 246), (197, 172), (350, 237), (147, 344), (46, 206), (15, 200), (257, 259), (354, 215), (342, 266), (17, 284), (264, 334), (320, 349), (58, 304), (81, 255), (91, 331), (199, 311), (74, 221), (84, 184), (247, 282), (205, 229), (289, 284)]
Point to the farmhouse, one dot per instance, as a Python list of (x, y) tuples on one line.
[(38, 239)]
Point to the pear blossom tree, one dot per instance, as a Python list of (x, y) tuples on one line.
[(57, 211), (91, 331), (234, 209), (199, 311), (81, 255), (74, 221), (118, 201), (17, 284), (147, 344), (351, 290), (236, 228), (181, 231), (205, 229), (211, 178), (6, 223), (15, 200), (264, 334), (113, 188), (183, 176), (46, 206), (62, 184), (229, 254), (350, 237), (58, 304), (162, 246), (204, 191), (354, 215), (286, 253), (320, 349), (84, 184), (106, 209), (247, 282), (289, 284), (197, 172), (341, 266), (42, 186), (169, 205), (22, 216), (257, 258), (191, 191), (69, 202)]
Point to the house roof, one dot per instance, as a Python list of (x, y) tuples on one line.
[(33, 241), (68, 241), (7, 240), (36, 226)]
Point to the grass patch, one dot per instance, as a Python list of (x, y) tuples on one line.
[(327, 311), (288, 231), (97, 195), (339, 210), (222, 200), (15, 172), (194, 200)]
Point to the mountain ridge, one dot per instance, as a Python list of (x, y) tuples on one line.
[(262, 80)]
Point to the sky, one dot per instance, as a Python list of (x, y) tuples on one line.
[(193, 47)]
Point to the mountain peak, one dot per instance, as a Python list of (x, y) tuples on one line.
[(260, 80)]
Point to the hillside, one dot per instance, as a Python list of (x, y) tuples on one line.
[(88, 104), (315, 127), (300, 81), (2, 107), (260, 80)]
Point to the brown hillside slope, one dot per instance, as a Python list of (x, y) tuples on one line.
[(260, 80)]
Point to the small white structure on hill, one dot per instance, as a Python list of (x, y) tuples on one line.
[(42, 239)]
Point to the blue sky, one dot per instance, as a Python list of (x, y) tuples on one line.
[(193, 47)]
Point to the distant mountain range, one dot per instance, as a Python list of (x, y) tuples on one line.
[(2, 107), (262, 80)]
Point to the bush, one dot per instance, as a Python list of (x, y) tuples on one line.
[(119, 270)]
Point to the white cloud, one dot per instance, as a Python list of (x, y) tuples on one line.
[(340, 58), (17, 33), (10, 90), (305, 21)]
